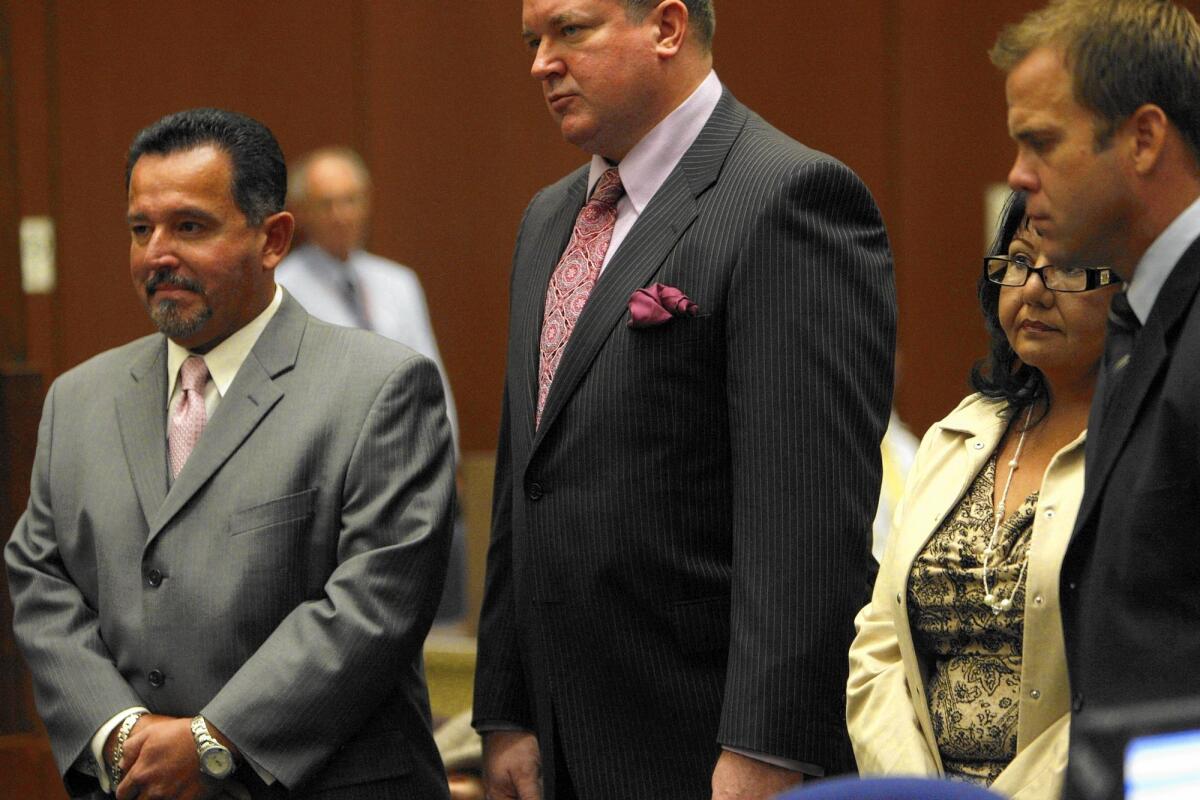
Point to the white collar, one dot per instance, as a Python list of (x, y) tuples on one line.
[(1160, 259), (646, 167), (224, 360)]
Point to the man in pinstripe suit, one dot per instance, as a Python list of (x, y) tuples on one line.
[(682, 516)]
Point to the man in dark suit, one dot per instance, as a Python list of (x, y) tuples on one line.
[(1104, 104), (699, 374), (238, 527)]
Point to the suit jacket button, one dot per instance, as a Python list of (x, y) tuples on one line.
[(156, 678), (534, 492), (154, 578), (1077, 702)]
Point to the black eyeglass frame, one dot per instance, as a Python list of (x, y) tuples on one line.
[(1094, 277)]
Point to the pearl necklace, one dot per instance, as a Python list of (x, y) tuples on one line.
[(989, 597)]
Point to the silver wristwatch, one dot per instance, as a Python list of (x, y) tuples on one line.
[(216, 760)]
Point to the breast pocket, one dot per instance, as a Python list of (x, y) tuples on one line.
[(678, 332), (290, 512)]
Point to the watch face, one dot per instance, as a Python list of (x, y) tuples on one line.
[(217, 762)]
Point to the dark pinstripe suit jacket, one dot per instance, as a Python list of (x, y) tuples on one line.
[(678, 551), (299, 558), (1130, 604)]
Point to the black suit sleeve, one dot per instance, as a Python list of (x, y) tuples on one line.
[(811, 327)]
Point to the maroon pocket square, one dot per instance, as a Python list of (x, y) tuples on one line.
[(657, 304)]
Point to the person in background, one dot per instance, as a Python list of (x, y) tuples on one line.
[(1104, 107), (333, 277), (897, 451), (337, 281), (958, 668)]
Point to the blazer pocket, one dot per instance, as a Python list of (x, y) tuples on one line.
[(675, 332), (291, 508), (701, 625)]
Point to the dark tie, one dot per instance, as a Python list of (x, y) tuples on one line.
[(575, 276), (353, 298), (1123, 327)]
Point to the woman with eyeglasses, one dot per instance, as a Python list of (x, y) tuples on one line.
[(957, 669)]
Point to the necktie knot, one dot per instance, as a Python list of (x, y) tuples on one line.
[(609, 188), (193, 374), (1121, 315)]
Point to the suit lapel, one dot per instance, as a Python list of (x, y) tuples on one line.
[(250, 398), (669, 213), (1151, 354), (142, 420)]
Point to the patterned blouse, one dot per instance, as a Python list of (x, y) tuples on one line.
[(972, 655)]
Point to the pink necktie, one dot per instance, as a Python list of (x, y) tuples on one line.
[(188, 418), (575, 276)]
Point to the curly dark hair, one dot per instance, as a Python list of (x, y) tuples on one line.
[(1002, 375)]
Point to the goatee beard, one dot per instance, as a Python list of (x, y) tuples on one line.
[(167, 315), (171, 322)]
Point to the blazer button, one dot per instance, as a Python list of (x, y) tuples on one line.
[(1077, 702), (534, 492), (156, 678), (154, 578), (1035, 694)]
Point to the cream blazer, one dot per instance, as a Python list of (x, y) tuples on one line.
[(887, 711)]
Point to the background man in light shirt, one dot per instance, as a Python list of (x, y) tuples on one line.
[(1104, 105), (237, 527), (333, 277), (685, 485)]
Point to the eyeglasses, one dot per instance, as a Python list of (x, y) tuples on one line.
[(1015, 271)]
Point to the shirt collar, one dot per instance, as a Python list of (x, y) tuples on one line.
[(334, 267), (224, 360), (646, 167), (1160, 259)]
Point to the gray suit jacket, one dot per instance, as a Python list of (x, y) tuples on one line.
[(282, 586), (679, 549)]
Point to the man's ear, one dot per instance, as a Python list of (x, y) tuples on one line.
[(1148, 127), (277, 232), (671, 23)]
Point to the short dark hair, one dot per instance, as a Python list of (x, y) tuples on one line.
[(1121, 54), (700, 15), (259, 172), (1002, 375)]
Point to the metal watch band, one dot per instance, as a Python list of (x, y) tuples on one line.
[(114, 771), (200, 733), (205, 741)]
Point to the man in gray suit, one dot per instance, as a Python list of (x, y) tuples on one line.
[(699, 374), (238, 527)]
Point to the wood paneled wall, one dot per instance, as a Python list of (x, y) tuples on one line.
[(437, 97)]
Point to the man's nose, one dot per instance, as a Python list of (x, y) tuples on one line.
[(546, 62), (1021, 177), (160, 247)]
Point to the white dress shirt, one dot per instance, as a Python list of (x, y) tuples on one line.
[(1160, 259), (647, 166)]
